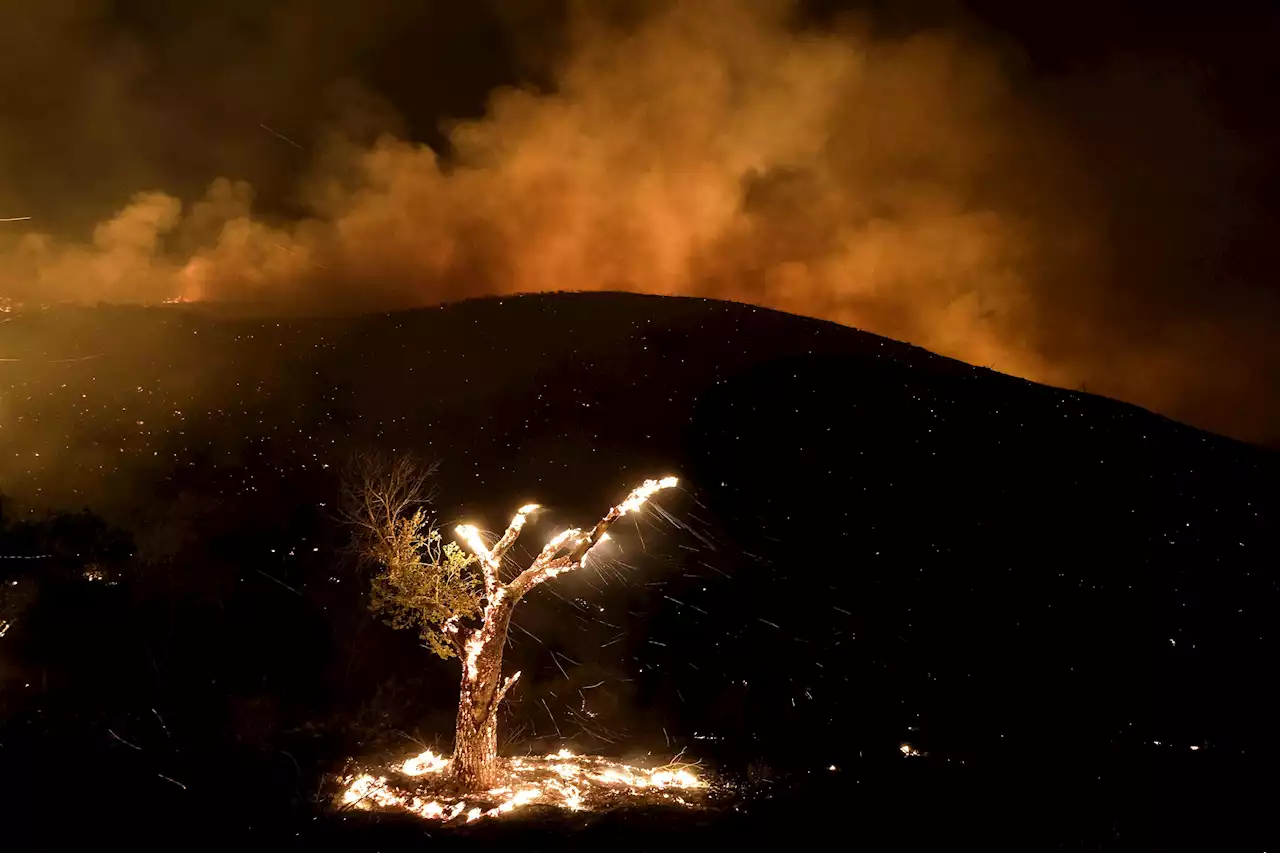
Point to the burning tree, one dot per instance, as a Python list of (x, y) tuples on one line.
[(458, 601)]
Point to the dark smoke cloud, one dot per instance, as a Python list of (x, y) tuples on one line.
[(1076, 230)]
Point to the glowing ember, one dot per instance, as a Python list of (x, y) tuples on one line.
[(910, 751), (563, 780)]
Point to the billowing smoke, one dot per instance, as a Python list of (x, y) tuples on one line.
[(904, 184)]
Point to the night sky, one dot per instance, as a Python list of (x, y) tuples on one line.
[(1077, 193)]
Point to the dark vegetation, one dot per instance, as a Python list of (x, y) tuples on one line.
[(876, 545)]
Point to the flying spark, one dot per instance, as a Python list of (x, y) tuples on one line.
[(279, 135)]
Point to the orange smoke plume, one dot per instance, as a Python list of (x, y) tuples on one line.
[(715, 148)]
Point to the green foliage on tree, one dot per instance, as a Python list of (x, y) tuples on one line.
[(439, 583), (421, 581)]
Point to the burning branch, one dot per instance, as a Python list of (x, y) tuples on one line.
[(491, 560), (578, 544), (513, 531), (475, 542)]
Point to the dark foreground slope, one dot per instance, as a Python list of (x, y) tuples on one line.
[(1055, 595)]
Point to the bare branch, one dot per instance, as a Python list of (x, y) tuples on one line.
[(502, 691), (378, 492)]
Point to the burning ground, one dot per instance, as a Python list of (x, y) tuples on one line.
[(563, 780)]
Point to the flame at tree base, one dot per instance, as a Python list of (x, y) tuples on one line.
[(563, 780)]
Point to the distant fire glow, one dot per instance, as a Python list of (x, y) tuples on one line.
[(563, 780)]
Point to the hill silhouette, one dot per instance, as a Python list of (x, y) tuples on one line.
[(875, 544)]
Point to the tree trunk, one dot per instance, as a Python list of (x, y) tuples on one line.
[(475, 739)]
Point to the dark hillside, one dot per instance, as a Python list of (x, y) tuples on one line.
[(875, 544)]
